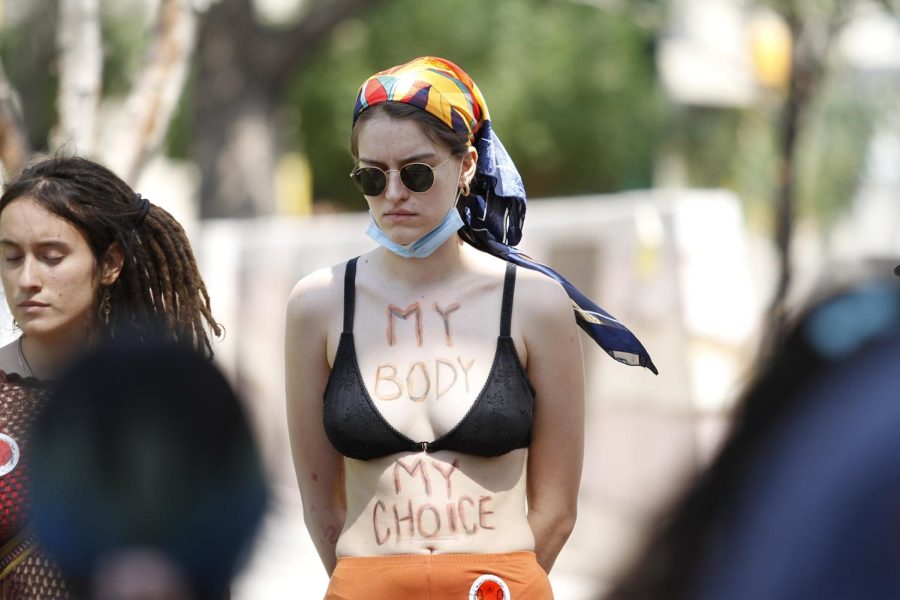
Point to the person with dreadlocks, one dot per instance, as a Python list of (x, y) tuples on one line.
[(82, 258), (435, 392)]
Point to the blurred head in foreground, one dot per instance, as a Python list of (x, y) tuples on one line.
[(803, 500), (147, 480)]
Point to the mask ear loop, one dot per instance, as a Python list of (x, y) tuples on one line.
[(459, 191)]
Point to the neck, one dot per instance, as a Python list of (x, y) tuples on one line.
[(432, 269), (46, 358)]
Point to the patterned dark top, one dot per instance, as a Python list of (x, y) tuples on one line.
[(25, 572), (498, 422)]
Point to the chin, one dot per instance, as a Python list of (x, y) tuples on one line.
[(404, 240), (404, 237), (50, 329)]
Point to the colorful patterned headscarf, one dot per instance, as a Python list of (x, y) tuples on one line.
[(433, 84), (494, 210)]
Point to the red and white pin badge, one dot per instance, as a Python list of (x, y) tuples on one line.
[(9, 454), (489, 587)]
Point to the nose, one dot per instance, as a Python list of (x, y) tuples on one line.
[(28, 275), (395, 190)]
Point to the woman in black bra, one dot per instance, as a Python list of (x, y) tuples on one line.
[(435, 392)]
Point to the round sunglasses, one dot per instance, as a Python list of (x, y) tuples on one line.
[(416, 177)]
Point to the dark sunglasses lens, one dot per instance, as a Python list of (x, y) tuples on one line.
[(417, 177), (369, 180)]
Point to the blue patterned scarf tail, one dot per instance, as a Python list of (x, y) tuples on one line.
[(611, 335), (494, 213)]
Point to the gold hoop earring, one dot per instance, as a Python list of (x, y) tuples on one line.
[(464, 189), (106, 306)]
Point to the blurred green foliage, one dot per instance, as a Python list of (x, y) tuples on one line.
[(28, 51), (737, 148), (28, 48), (572, 90), (834, 150)]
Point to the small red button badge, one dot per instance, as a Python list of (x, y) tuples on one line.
[(489, 587), (9, 454)]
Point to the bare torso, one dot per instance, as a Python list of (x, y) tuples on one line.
[(424, 356), (445, 502)]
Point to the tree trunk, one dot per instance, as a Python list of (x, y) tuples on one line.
[(80, 75), (157, 89), (231, 110), (812, 40), (242, 71), (794, 108)]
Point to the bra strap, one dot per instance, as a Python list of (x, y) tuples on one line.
[(509, 288), (349, 294)]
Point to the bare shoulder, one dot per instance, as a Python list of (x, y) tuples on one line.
[(545, 319), (540, 297), (316, 295)]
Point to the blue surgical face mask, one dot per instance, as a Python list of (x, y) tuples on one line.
[(425, 245)]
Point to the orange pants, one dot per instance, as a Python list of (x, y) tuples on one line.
[(512, 576)]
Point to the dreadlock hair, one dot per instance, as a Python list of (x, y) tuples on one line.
[(159, 291)]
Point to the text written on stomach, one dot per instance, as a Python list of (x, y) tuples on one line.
[(441, 513)]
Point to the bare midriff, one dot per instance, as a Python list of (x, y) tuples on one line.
[(441, 502)]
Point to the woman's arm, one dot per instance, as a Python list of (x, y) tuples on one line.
[(318, 466), (556, 370)]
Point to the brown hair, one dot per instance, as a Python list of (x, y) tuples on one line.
[(159, 289), (433, 128)]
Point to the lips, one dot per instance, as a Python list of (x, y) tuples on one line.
[(398, 215), (31, 306)]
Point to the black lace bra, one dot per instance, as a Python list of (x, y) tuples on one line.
[(498, 422)]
